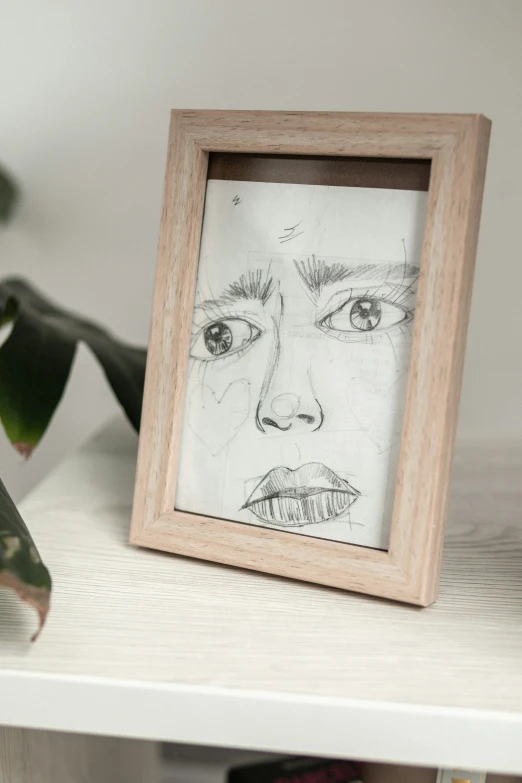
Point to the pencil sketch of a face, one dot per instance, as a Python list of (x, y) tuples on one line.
[(299, 357)]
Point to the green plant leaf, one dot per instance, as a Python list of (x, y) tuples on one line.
[(36, 359), (8, 196), (21, 568)]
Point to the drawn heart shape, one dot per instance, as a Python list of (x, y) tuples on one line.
[(214, 420), (381, 426)]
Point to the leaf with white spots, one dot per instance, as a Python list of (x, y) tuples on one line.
[(21, 567)]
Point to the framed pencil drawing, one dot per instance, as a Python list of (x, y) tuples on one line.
[(308, 328)]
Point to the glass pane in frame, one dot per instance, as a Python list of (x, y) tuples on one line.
[(300, 344)]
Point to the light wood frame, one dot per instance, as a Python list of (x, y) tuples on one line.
[(457, 147)]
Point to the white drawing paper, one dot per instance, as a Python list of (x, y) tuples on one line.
[(299, 357)]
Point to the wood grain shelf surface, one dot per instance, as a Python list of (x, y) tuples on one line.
[(150, 645)]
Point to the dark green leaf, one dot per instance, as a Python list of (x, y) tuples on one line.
[(36, 359), (21, 568), (8, 196)]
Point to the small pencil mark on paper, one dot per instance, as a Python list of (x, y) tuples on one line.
[(290, 233)]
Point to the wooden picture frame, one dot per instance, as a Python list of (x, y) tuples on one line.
[(456, 146)]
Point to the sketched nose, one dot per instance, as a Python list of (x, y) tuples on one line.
[(287, 411)]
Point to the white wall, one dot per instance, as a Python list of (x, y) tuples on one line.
[(86, 92)]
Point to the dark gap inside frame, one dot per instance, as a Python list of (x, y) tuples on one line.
[(389, 173)]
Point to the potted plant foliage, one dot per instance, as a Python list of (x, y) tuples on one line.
[(38, 342)]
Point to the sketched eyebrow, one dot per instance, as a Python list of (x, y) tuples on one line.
[(317, 273), (254, 285)]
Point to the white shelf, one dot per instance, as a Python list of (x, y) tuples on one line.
[(143, 644)]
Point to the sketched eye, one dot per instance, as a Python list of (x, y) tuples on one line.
[(224, 337), (364, 314)]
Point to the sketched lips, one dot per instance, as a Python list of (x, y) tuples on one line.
[(311, 493)]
